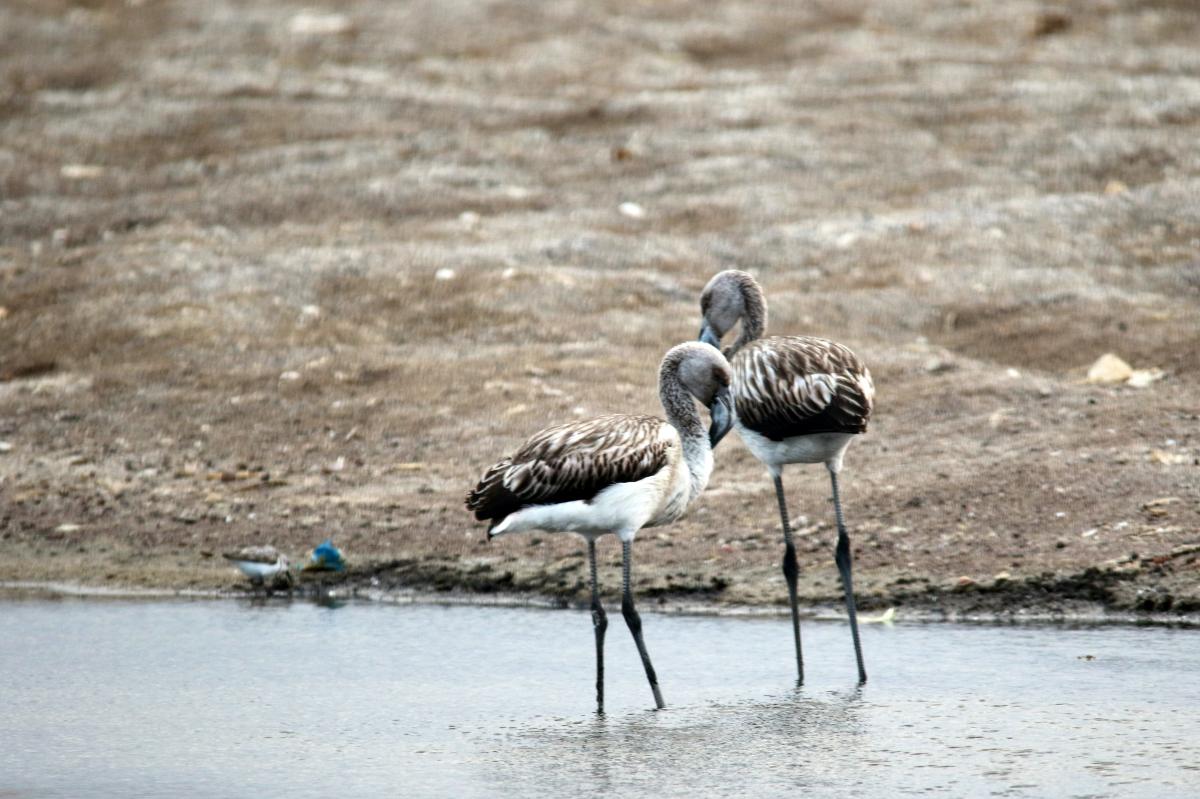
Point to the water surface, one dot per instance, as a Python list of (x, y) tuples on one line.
[(222, 699)]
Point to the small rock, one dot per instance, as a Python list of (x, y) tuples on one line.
[(1157, 508), (444, 274), (1049, 23), (81, 171), (632, 210), (964, 583), (1169, 458), (290, 377), (937, 366), (68, 528), (5, 446), (1109, 368), (3, 312), (1002, 577), (1140, 378), (1060, 543), (309, 23), (1115, 187), (311, 310)]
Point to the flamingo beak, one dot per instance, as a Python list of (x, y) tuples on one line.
[(721, 413), (709, 336)]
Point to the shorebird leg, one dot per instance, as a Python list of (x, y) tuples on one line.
[(599, 625), (635, 622), (845, 564), (790, 572)]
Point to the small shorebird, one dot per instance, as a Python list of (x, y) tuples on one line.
[(797, 399), (264, 565), (615, 474)]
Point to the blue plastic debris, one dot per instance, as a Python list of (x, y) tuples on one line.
[(326, 557)]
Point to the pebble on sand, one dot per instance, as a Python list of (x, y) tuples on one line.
[(1169, 458), (81, 171), (310, 23), (1109, 368), (632, 210), (444, 274)]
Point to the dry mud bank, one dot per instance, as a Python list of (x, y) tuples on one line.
[(222, 228)]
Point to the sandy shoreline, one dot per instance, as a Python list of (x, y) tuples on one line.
[(1080, 613)]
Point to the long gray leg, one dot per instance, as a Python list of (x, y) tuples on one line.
[(635, 622), (845, 564), (790, 572), (599, 625)]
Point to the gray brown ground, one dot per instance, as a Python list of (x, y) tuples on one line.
[(219, 236)]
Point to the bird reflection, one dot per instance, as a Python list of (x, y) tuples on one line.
[(749, 741)]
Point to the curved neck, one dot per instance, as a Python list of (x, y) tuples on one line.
[(754, 317), (682, 415)]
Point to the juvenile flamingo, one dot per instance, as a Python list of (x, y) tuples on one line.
[(615, 474)]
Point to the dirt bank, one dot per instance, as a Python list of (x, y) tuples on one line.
[(277, 273)]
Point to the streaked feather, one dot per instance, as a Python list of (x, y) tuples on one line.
[(800, 385), (573, 461)]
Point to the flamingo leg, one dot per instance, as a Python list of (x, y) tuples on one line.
[(791, 571), (845, 566), (635, 622), (599, 626)]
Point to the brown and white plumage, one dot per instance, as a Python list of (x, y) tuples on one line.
[(786, 388), (573, 461), (611, 474), (799, 385), (797, 399), (615, 474)]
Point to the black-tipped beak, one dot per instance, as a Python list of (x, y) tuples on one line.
[(721, 412), (709, 336)]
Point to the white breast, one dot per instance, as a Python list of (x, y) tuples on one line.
[(828, 448)]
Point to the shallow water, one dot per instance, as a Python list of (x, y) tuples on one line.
[(220, 699)]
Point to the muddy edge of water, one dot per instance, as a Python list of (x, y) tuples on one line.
[(1024, 601)]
